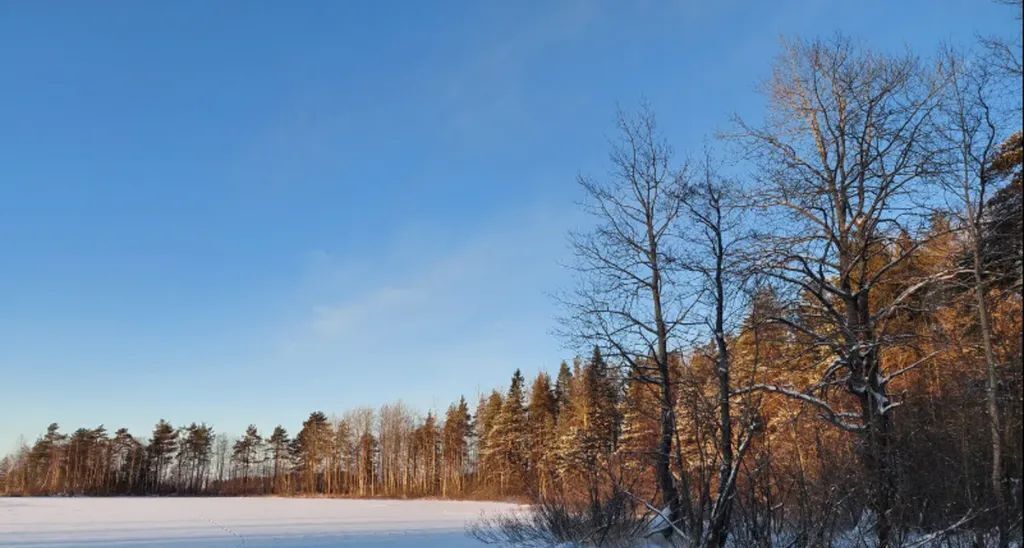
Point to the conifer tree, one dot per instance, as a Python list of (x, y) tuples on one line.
[(541, 414), (246, 453), (45, 460), (562, 386), (277, 448), (85, 461), (602, 388), (161, 449), (508, 439), (311, 446), (588, 428), (425, 456), (128, 461), (455, 440), (487, 457), (638, 438), (194, 456)]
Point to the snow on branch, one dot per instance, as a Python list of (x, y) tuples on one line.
[(833, 416)]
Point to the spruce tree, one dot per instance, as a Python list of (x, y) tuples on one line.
[(562, 387), (541, 413), (588, 426), (487, 456), (455, 441), (638, 439), (602, 394), (508, 441)]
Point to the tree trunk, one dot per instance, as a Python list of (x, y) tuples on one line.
[(663, 470), (722, 510), (662, 466), (868, 386), (877, 450), (991, 395), (726, 486)]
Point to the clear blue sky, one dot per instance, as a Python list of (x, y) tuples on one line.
[(241, 212)]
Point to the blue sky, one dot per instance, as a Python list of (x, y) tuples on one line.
[(241, 212)]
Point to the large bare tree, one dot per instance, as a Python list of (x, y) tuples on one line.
[(841, 159), (630, 299)]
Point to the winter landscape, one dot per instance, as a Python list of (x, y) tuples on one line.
[(677, 273)]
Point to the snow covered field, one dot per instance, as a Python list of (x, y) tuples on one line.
[(271, 521)]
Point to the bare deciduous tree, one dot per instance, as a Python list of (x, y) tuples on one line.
[(841, 158), (630, 299), (713, 235), (972, 136)]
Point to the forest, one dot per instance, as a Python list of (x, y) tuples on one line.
[(811, 327)]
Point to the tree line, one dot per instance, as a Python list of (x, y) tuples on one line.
[(817, 332), (516, 443)]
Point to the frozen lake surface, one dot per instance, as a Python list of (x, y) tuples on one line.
[(248, 522)]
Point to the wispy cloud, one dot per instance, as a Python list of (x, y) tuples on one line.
[(331, 320), (472, 307)]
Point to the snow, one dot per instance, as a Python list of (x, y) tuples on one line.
[(249, 522)]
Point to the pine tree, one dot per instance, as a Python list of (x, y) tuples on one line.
[(194, 455), (246, 452), (85, 463), (455, 441), (277, 448), (541, 413), (161, 450), (128, 461), (311, 449), (45, 460)]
